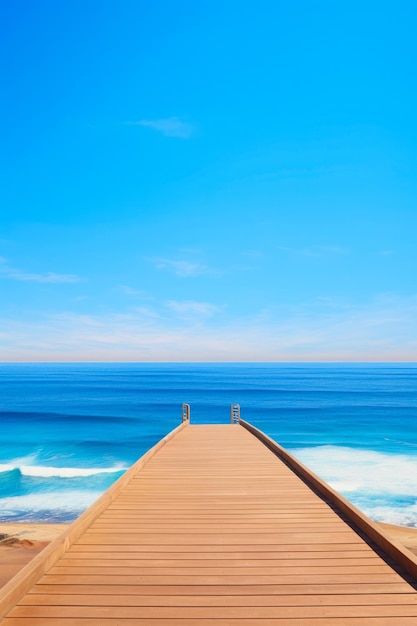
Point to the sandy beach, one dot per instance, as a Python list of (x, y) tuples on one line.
[(403, 534), (19, 543)]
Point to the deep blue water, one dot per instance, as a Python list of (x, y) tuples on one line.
[(69, 430)]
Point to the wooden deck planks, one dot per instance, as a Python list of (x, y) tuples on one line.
[(121, 620), (212, 612), (216, 529)]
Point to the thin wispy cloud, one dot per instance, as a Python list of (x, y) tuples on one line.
[(170, 127), (378, 330), (181, 268), (48, 277), (191, 308), (132, 291), (147, 312)]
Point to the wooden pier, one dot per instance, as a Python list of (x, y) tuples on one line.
[(217, 525)]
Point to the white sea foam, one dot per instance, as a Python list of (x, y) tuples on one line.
[(382, 485), (402, 442), (68, 501), (17, 462), (402, 516), (351, 469), (66, 472)]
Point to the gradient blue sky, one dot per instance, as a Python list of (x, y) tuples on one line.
[(220, 181)]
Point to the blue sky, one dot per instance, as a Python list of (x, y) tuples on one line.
[(222, 181)]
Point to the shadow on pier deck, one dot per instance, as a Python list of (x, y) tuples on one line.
[(217, 525)]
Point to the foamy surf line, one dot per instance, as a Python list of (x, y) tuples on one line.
[(39, 493), (382, 485), (59, 472), (53, 506)]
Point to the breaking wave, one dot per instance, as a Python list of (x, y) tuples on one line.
[(382, 485), (59, 472), (60, 506)]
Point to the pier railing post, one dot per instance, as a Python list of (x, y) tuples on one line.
[(235, 413), (185, 412)]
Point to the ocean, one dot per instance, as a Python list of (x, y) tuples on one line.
[(69, 430)]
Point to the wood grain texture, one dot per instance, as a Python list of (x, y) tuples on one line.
[(215, 528)]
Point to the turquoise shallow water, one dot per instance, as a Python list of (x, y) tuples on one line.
[(69, 430)]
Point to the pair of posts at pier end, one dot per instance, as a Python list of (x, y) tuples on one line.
[(234, 413)]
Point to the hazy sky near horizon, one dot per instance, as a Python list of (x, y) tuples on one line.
[(220, 181)]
